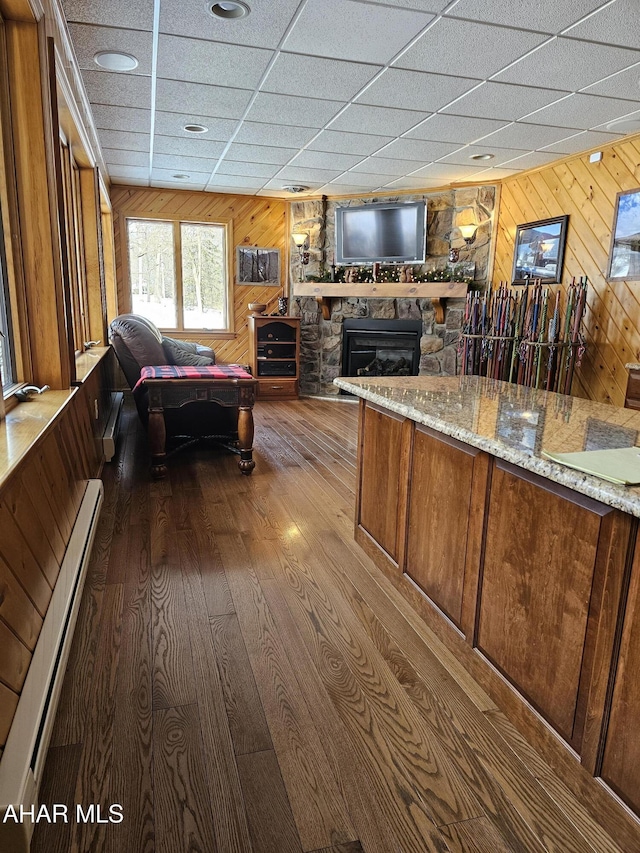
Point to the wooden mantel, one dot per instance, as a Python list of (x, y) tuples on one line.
[(437, 291)]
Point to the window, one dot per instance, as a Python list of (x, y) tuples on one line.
[(7, 367), (178, 274)]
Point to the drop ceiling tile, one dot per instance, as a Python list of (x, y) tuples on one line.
[(447, 171), (264, 27), (244, 181), (439, 49), (625, 84), (122, 118), (504, 101), (531, 160), (568, 64), (324, 160), (118, 157), (359, 179), (191, 147), (211, 62), (343, 29), (297, 112), (300, 175), (547, 16), (115, 13), (386, 166), (581, 142), (617, 24), (582, 112), (132, 172), (89, 40), (173, 124), (387, 122), (434, 6), (348, 143), (495, 174), (118, 89), (257, 133), (414, 90), (167, 175), (500, 156), (260, 154), (198, 98), (249, 170), (333, 190), (417, 149), (181, 163), (411, 183), (178, 185), (461, 129), (294, 74), (124, 139), (278, 185), (214, 188), (524, 136), (625, 124)]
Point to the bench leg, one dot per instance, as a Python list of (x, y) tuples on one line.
[(245, 439), (157, 442)]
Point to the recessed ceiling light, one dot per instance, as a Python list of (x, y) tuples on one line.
[(624, 125), (195, 128), (296, 188), (113, 60), (228, 10), (180, 177), (482, 156)]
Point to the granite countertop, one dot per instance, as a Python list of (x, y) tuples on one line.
[(513, 423)]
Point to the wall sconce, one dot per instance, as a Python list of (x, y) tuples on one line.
[(301, 239), (468, 234)]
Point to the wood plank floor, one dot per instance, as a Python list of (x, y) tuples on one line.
[(243, 678)]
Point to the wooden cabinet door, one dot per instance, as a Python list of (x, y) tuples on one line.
[(621, 760), (445, 519), (384, 450), (548, 554)]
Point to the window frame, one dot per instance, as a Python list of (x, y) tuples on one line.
[(228, 331), (14, 282)]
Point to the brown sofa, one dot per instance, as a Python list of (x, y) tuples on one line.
[(139, 343)]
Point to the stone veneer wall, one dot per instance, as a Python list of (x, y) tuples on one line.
[(321, 340)]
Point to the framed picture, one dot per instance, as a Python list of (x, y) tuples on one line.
[(539, 250), (624, 255), (258, 266)]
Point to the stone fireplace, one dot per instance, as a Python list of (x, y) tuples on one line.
[(381, 347), (321, 339)]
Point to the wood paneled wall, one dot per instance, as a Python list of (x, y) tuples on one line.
[(587, 192), (254, 221), (39, 503)]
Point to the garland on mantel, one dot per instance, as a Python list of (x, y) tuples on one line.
[(395, 273)]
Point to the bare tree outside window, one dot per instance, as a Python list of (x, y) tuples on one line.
[(258, 266)]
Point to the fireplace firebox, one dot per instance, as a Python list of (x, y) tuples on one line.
[(381, 347)]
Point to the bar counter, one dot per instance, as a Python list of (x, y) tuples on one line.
[(527, 570)]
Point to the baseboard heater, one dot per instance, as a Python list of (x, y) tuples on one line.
[(24, 756), (110, 435)]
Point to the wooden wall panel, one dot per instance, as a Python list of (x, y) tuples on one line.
[(39, 503), (587, 192), (255, 222)]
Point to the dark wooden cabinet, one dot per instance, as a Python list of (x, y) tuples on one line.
[(274, 353), (383, 478), (446, 510), (621, 760)]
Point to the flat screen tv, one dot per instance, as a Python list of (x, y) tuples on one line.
[(390, 233)]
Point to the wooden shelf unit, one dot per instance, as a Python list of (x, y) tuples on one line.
[(274, 354)]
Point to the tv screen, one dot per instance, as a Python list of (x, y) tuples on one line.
[(381, 232)]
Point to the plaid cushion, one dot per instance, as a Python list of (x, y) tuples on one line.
[(175, 371)]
